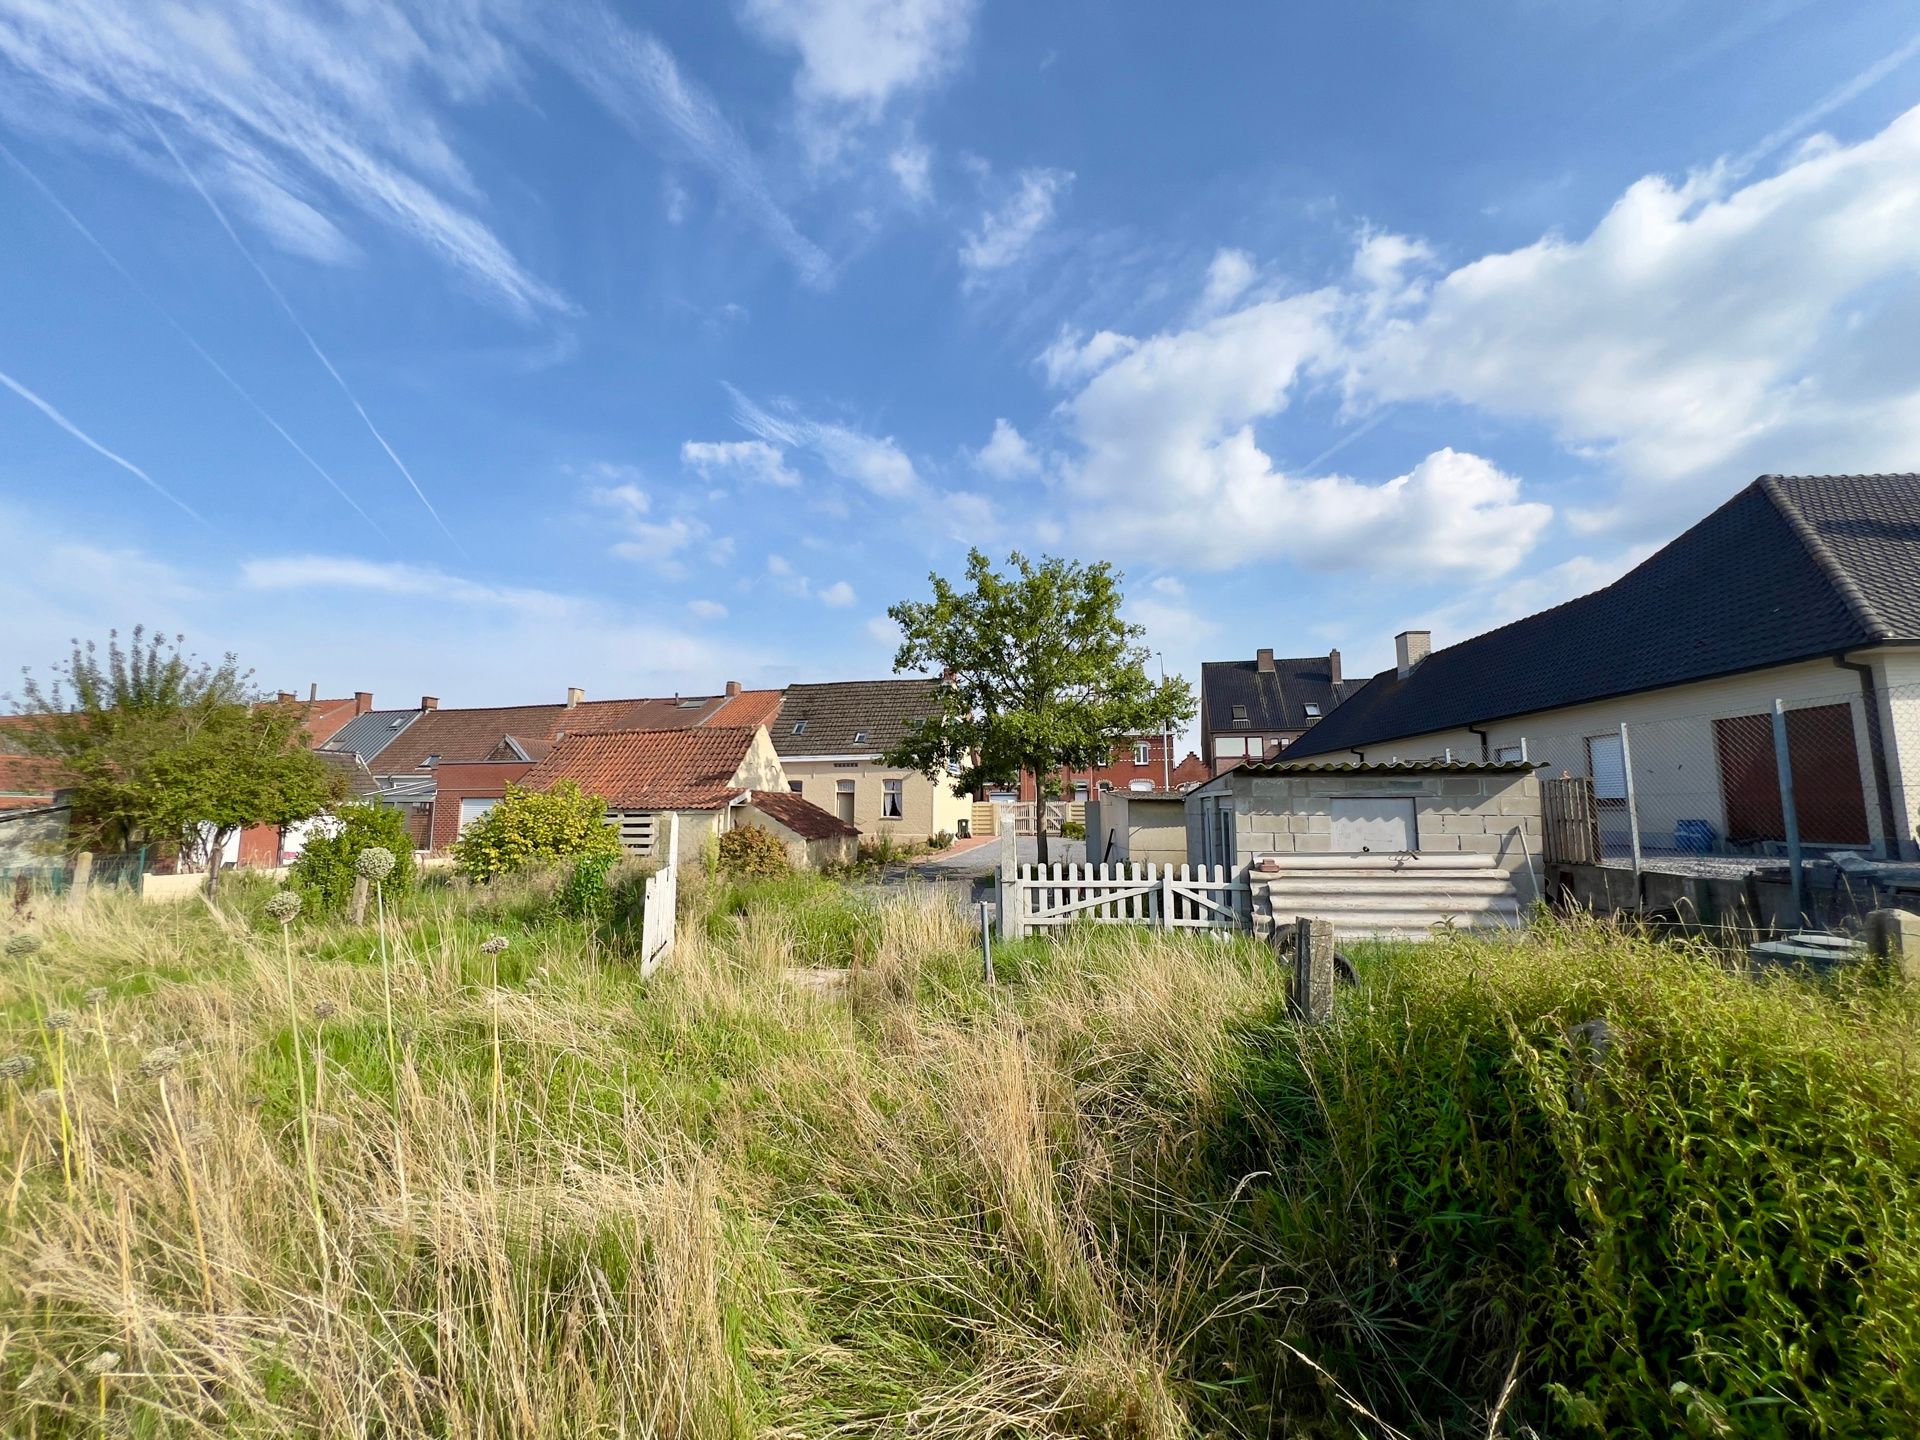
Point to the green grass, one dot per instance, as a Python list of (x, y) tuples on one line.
[(813, 1179)]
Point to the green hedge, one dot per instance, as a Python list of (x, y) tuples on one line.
[(323, 873)]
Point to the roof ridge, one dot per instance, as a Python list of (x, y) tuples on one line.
[(691, 731), (1823, 556)]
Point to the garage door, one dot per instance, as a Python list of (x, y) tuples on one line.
[(1376, 826), (1826, 777)]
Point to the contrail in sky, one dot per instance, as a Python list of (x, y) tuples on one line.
[(92, 444), (1829, 103), (305, 334), (74, 220)]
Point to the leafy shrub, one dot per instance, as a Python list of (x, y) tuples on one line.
[(1682, 1199), (324, 872), (749, 850), (1073, 830), (940, 840), (584, 894), (535, 827)]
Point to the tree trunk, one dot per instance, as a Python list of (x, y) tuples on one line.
[(216, 846), (1040, 816)]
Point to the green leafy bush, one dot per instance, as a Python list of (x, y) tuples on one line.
[(1650, 1195), (585, 895), (1073, 830), (324, 872), (535, 827), (940, 840), (749, 850)]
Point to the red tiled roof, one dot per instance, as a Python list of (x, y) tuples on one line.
[(749, 707), (691, 769), (325, 717), (802, 816), (452, 733)]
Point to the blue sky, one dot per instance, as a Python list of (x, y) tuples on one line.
[(490, 347)]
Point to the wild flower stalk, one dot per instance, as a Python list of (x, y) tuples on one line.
[(96, 1001), (55, 1027), (159, 1063), (284, 907), (492, 947), (375, 863)]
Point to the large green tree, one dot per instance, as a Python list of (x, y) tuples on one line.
[(1041, 672), (157, 747)]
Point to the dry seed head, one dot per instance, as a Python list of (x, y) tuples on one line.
[(325, 1010), (284, 905), (159, 1061), (23, 944), (104, 1363), (17, 1067), (376, 862), (96, 997), (60, 1020), (493, 945)]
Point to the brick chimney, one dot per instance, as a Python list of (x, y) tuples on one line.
[(362, 701), (287, 697), (1333, 666), (313, 692), (733, 687), (429, 702), (1410, 647), (574, 696), (1263, 661)]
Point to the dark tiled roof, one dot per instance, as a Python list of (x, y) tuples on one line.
[(367, 735), (352, 769), (1791, 568), (1276, 699), (835, 714), (800, 815), (474, 734), (685, 769)]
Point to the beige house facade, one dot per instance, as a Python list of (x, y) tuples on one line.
[(831, 739)]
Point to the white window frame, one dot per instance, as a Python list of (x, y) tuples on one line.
[(1229, 747), (484, 804), (1607, 767), (1142, 752), (893, 798), (1509, 754)]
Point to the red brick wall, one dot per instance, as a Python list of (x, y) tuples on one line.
[(1121, 772), (457, 780)]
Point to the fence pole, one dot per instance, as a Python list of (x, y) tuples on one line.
[(1312, 969), (1633, 805), (82, 878), (1796, 868), (986, 944), (1007, 873)]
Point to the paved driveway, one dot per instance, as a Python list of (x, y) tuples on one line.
[(968, 858)]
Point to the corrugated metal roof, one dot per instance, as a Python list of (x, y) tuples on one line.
[(1397, 767), (367, 735)]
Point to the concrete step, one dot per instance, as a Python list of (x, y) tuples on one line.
[(1467, 884), (1400, 862)]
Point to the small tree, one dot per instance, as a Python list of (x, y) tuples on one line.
[(749, 850), (534, 827), (324, 872), (1041, 673), (155, 746)]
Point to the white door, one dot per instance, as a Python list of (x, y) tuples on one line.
[(1381, 827)]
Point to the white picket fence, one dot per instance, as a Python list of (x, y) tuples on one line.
[(1178, 897), (661, 897)]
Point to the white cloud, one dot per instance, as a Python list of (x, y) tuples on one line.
[(707, 609), (658, 544), (751, 459), (1006, 455), (838, 594), (1700, 333), (912, 166), (1168, 623), (675, 200), (861, 53), (882, 629), (1228, 277), (1006, 231), (1168, 585), (872, 461), (290, 222), (779, 565), (1073, 357)]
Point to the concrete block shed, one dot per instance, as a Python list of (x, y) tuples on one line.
[(1137, 826), (1388, 849)]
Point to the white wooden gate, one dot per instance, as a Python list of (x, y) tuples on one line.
[(659, 900), (1179, 897)]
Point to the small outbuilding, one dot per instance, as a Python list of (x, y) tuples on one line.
[(1389, 849), (814, 839), (1142, 827)]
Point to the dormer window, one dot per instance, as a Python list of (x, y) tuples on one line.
[(431, 761), (860, 737), (1240, 715), (799, 727)]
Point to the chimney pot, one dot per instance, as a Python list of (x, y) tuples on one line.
[(574, 696), (362, 701), (733, 687), (429, 702), (313, 692), (1410, 647), (1333, 666), (287, 697), (1263, 661)]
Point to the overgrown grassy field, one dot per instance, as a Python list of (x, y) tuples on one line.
[(813, 1179)]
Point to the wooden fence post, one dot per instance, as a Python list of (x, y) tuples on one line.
[(82, 879), (1312, 969), (1007, 873), (357, 908)]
